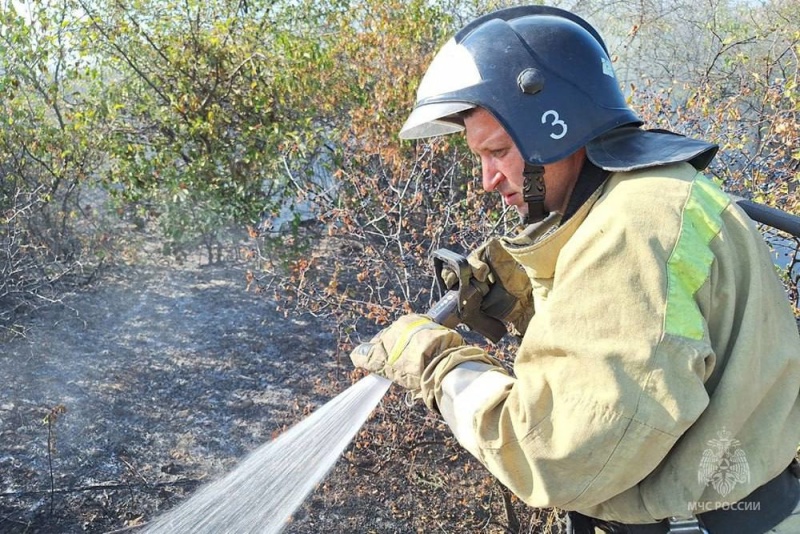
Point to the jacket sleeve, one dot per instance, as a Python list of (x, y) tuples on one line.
[(604, 383)]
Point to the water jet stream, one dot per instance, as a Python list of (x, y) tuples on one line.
[(265, 489)]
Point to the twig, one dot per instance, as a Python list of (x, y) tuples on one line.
[(102, 487), (50, 419), (133, 470), (128, 529), (15, 521)]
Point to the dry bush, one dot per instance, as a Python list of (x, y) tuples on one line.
[(48, 233), (395, 203), (42, 253)]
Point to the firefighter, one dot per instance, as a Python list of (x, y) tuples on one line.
[(655, 385)]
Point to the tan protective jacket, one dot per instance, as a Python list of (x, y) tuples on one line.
[(657, 292)]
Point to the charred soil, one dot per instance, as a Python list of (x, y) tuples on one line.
[(123, 399)]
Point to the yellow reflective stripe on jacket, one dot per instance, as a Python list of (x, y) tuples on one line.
[(404, 339), (690, 262)]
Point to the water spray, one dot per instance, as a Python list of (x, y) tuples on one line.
[(264, 490), (260, 495)]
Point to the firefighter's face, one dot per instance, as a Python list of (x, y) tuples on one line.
[(502, 164)]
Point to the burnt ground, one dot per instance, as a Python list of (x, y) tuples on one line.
[(169, 374)]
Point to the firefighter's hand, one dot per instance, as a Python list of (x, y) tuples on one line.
[(403, 350), (496, 271)]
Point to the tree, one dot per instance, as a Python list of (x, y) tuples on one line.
[(206, 108), (48, 154)]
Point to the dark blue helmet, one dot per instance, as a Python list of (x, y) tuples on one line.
[(542, 72)]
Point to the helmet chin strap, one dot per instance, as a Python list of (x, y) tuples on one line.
[(533, 193)]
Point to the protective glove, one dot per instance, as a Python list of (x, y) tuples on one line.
[(403, 350), (495, 271)]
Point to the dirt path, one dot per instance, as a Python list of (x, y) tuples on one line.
[(168, 375)]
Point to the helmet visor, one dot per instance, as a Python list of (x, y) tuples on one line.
[(432, 119), (452, 69)]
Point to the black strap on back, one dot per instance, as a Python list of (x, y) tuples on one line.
[(757, 513)]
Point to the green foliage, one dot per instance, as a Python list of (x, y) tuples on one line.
[(48, 152), (206, 110), (204, 115)]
